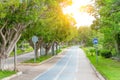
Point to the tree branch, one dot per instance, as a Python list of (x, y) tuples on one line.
[(3, 37), (3, 26)]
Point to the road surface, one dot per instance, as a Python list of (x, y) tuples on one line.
[(72, 66), (9, 62)]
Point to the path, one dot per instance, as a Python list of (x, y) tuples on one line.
[(10, 61), (20, 58), (71, 65)]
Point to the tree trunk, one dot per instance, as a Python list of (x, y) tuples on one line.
[(46, 51), (116, 47), (9, 37), (53, 49), (40, 50), (37, 54), (13, 43), (2, 53), (56, 48), (1, 64), (5, 51), (47, 48), (117, 44), (59, 46), (37, 45)]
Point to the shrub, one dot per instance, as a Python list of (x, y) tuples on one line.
[(98, 52), (105, 53), (92, 51), (113, 52)]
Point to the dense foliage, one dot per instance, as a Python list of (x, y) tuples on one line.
[(107, 22), (22, 19)]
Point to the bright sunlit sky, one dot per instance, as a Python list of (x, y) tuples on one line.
[(82, 18)]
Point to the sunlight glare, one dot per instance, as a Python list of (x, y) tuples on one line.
[(82, 18)]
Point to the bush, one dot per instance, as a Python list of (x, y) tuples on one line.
[(86, 50), (89, 50), (105, 53), (113, 52), (92, 51)]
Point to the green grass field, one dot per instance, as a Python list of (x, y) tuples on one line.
[(41, 58), (58, 51), (38, 60), (6, 73), (19, 51), (109, 68)]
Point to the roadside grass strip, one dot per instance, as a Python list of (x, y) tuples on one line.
[(6, 73), (109, 68), (38, 60), (42, 58)]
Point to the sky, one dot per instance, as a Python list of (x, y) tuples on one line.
[(82, 18)]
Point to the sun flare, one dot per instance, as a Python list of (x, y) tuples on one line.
[(82, 18)]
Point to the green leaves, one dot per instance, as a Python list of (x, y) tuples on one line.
[(43, 18), (51, 24), (109, 21)]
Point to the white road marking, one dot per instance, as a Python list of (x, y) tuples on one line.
[(48, 69), (56, 78)]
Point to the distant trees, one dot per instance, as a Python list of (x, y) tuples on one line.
[(52, 27), (85, 35)]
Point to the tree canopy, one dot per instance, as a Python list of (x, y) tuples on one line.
[(108, 22)]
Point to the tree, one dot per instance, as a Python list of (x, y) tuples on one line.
[(109, 22), (85, 35), (47, 25), (15, 16)]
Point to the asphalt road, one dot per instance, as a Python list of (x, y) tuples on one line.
[(9, 62), (72, 66)]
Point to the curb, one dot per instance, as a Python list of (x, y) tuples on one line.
[(53, 64), (36, 64), (12, 76), (96, 72), (52, 57), (19, 73)]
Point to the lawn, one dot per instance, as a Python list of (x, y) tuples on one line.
[(58, 51), (42, 58), (19, 51), (38, 60), (109, 68), (6, 73)]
